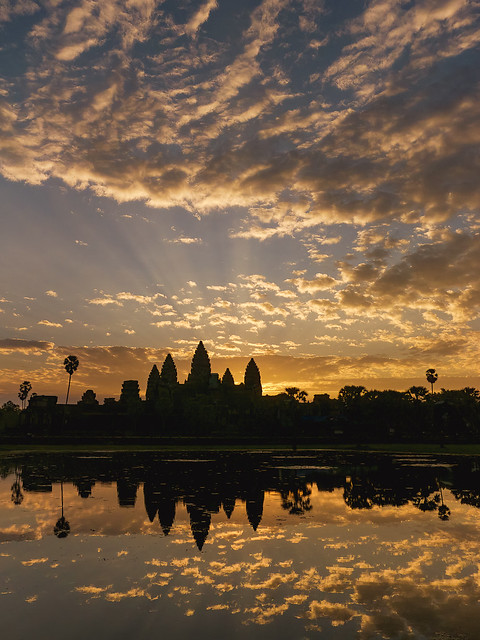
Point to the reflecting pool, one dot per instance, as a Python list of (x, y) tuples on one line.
[(240, 545)]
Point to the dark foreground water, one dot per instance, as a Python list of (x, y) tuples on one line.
[(253, 545)]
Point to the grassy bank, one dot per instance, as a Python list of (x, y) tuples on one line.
[(421, 448)]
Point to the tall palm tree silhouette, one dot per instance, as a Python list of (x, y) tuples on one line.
[(71, 365), (432, 376), (25, 389)]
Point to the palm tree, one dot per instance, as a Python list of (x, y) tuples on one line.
[(432, 376), (296, 394), (25, 389), (417, 393), (71, 365)]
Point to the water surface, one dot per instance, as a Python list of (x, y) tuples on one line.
[(252, 545)]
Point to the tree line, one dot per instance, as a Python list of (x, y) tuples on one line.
[(208, 404)]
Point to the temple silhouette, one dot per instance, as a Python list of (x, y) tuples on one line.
[(209, 405), (203, 403)]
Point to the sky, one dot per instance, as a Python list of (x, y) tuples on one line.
[(293, 180)]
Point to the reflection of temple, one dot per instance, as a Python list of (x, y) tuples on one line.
[(228, 504), (159, 500), (126, 492), (199, 523), (84, 487), (255, 507), (207, 486)]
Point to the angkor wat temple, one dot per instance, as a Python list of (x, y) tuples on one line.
[(203, 403)]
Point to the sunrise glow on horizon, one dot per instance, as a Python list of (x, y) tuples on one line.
[(293, 180)]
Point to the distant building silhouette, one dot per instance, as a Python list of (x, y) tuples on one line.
[(168, 375), (130, 395), (153, 386), (227, 380), (252, 379), (41, 411), (199, 375), (214, 381), (89, 399)]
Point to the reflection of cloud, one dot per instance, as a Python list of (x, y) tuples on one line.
[(29, 563), (336, 612), (92, 590), (117, 596), (18, 532), (273, 581), (395, 604), (419, 580), (263, 615)]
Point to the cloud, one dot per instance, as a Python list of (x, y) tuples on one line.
[(200, 16), (24, 346), (321, 282), (47, 323), (186, 240), (118, 299), (12, 8), (385, 151), (105, 301), (348, 142)]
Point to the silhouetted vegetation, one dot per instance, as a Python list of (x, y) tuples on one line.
[(209, 406), (71, 365), (25, 389), (432, 376)]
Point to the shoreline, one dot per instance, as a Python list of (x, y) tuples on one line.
[(14, 444)]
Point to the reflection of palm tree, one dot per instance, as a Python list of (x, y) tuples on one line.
[(443, 510), (423, 501), (358, 494), (432, 376), (17, 495), (296, 499), (62, 526)]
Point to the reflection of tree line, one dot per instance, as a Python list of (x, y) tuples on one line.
[(205, 487)]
